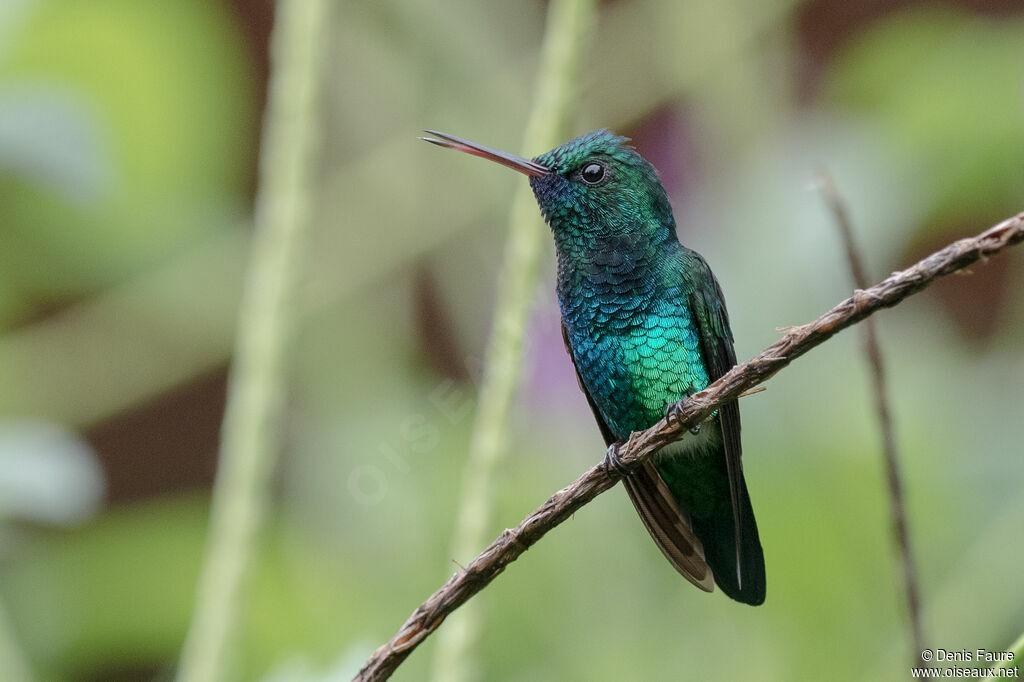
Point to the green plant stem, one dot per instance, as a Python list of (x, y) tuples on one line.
[(1018, 652), (249, 439), (569, 24), (13, 665)]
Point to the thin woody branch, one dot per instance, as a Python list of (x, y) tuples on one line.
[(508, 546), (890, 455)]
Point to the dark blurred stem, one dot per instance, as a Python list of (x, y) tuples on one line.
[(257, 386), (797, 341), (900, 527)]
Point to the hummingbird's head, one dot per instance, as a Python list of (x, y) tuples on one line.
[(599, 185), (593, 186)]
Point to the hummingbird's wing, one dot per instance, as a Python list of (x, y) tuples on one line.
[(669, 525), (707, 303)]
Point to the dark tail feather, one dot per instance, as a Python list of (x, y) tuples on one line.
[(718, 535)]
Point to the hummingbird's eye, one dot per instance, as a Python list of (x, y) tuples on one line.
[(593, 173)]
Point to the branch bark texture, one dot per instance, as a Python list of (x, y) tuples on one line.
[(689, 412)]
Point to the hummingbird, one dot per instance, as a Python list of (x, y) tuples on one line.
[(645, 325)]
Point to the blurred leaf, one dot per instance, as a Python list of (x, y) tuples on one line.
[(153, 122), (118, 593), (115, 592), (52, 143), (47, 473), (945, 89), (144, 336)]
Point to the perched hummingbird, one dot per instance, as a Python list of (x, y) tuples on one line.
[(644, 322)]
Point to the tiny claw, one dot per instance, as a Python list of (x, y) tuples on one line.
[(672, 413), (612, 463)]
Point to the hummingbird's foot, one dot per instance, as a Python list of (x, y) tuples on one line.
[(672, 411), (613, 463)]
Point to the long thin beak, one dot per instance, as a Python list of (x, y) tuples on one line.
[(512, 161)]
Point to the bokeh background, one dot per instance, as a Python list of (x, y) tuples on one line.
[(129, 137)]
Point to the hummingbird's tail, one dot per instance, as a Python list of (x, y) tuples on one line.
[(685, 502), (745, 582)]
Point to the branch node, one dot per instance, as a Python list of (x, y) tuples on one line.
[(512, 538), (861, 295)]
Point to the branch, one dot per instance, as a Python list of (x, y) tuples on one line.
[(689, 412), (873, 354)]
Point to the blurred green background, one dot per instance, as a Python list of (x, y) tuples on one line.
[(129, 135)]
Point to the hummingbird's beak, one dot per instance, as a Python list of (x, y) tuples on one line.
[(512, 161)]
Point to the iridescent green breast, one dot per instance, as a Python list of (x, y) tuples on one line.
[(637, 359)]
